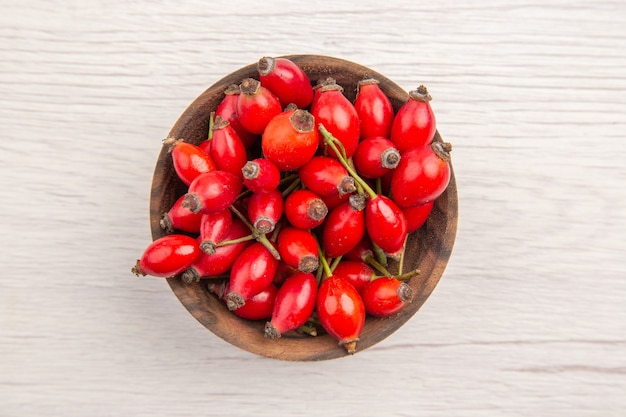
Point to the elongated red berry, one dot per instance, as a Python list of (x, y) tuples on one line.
[(256, 106), (168, 256), (332, 109), (344, 227), (293, 305), (227, 150), (386, 224), (298, 249), (384, 296), (180, 218), (414, 124), (286, 80), (214, 227), (341, 311), (220, 261), (374, 109), (375, 157), (304, 209), (265, 210), (290, 139), (416, 216), (260, 174), (326, 176), (189, 160), (212, 191), (227, 110), (251, 273), (422, 175)]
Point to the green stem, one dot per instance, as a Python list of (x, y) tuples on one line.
[(211, 122), (324, 262), (379, 254), (295, 184), (381, 268), (379, 185), (261, 238), (408, 275), (331, 141), (234, 241), (335, 262)]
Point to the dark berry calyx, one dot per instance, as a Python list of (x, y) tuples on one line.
[(302, 121), (421, 94), (266, 65), (250, 86)]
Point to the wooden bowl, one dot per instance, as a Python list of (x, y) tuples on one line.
[(428, 249)]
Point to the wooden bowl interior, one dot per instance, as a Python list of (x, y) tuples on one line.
[(428, 249)]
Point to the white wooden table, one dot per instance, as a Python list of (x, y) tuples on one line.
[(530, 316)]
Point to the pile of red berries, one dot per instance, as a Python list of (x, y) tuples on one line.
[(298, 198)]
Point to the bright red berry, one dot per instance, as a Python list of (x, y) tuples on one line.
[(375, 157), (384, 297), (357, 272), (298, 249), (180, 218), (374, 109), (259, 306), (212, 191), (414, 124), (290, 139), (385, 224), (256, 106), (260, 175), (265, 210), (214, 227), (189, 160), (341, 311), (227, 150), (293, 305), (422, 175), (168, 256), (286, 80), (304, 209), (227, 110), (344, 227), (326, 176), (416, 216)]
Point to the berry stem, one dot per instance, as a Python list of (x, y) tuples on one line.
[(211, 122), (234, 241), (325, 267), (261, 238), (335, 262), (295, 184), (380, 267), (331, 141)]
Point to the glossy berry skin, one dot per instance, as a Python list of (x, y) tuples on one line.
[(386, 224), (213, 229), (219, 262), (341, 311), (256, 106), (304, 209), (250, 274), (189, 160), (293, 305), (343, 229), (335, 200), (422, 175), (290, 139), (260, 175), (168, 256), (181, 219), (414, 124), (358, 273), (416, 216), (298, 249), (332, 109), (375, 157), (227, 110), (265, 210), (374, 109), (361, 252), (326, 176), (286, 80), (227, 150), (260, 306), (384, 297), (212, 191)]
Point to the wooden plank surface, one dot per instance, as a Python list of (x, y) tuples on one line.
[(530, 316)]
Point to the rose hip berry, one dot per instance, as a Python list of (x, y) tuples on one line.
[(384, 297), (290, 139), (227, 150), (344, 227), (212, 191), (189, 160), (260, 175), (414, 124), (286, 80), (374, 109), (293, 305), (375, 157), (179, 218), (326, 176), (298, 249), (213, 229), (167, 256), (227, 110), (304, 209), (265, 210)]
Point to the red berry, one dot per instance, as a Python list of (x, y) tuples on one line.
[(304, 209), (414, 124), (416, 216), (189, 160), (227, 110), (265, 210), (357, 272), (286, 80), (335, 200), (227, 150), (250, 274), (344, 227), (385, 224), (179, 218), (361, 252), (374, 109), (298, 249), (341, 311), (375, 157), (213, 229), (384, 297), (260, 306), (260, 175), (290, 139), (293, 305), (168, 256), (326, 176), (422, 175), (219, 262), (256, 106), (338, 115), (212, 191)]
